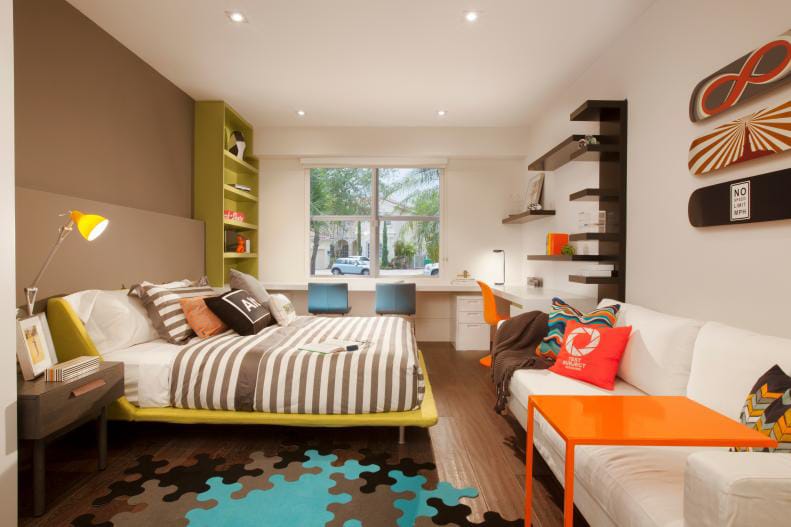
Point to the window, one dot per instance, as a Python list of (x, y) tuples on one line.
[(374, 221)]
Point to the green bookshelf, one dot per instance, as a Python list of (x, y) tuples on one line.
[(216, 172)]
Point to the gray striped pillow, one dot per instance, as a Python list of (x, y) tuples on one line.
[(164, 309)]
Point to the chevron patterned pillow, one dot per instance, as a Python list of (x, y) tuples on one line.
[(767, 408), (561, 313)]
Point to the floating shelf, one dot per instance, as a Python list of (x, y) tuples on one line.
[(530, 215), (239, 225), (596, 110), (572, 258), (596, 280), (594, 236), (240, 255), (569, 150), (594, 194), (235, 194), (239, 165)]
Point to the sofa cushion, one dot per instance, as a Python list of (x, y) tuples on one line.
[(545, 382), (560, 314), (727, 361), (659, 353), (591, 354), (725, 488)]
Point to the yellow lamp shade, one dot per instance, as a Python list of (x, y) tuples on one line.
[(91, 226)]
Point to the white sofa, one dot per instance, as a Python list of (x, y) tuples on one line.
[(713, 364)]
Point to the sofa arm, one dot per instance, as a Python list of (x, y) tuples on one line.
[(736, 489)]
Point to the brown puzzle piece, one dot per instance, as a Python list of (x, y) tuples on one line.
[(150, 509), (259, 460), (374, 509)]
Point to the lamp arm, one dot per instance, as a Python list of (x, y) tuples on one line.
[(30, 292)]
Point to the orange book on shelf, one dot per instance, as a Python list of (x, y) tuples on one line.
[(556, 241)]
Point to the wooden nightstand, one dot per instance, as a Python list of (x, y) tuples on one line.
[(50, 409)]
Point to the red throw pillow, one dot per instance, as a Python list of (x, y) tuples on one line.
[(592, 353)]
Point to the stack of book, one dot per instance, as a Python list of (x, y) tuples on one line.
[(71, 369), (239, 186)]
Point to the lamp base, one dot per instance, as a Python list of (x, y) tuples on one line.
[(30, 298), (499, 283)]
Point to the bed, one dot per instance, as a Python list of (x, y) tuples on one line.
[(149, 384)]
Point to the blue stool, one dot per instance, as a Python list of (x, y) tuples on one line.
[(328, 299), (395, 299)]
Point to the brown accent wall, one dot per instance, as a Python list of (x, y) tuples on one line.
[(92, 119)]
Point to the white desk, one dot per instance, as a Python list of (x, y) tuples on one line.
[(523, 298), (369, 285)]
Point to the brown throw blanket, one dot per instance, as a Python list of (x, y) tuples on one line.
[(515, 349)]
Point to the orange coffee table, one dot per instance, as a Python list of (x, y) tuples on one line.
[(629, 420)]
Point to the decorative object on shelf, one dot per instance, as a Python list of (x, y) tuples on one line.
[(588, 140), (241, 243), (748, 200), (555, 242), (502, 278), (763, 133), (91, 226), (534, 282), (592, 221), (234, 215), (568, 250), (72, 369), (34, 348), (238, 144), (534, 188), (753, 74)]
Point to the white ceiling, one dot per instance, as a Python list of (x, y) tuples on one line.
[(369, 62)]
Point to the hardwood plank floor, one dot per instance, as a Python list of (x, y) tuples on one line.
[(471, 446)]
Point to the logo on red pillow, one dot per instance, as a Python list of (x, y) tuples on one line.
[(582, 341)]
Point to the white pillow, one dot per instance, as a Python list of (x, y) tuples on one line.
[(658, 356), (113, 319), (282, 309)]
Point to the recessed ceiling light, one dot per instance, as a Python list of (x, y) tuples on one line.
[(471, 16), (236, 16), (301, 113), (442, 113)]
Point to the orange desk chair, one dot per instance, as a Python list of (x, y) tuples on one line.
[(490, 316)]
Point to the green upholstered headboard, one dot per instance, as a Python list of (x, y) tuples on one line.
[(69, 336)]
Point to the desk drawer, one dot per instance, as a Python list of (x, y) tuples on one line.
[(65, 403), (470, 317), (469, 303), (472, 336)]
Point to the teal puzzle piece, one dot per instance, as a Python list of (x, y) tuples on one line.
[(297, 503), (417, 506)]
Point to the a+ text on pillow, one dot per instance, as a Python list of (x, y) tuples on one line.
[(592, 353), (240, 311)]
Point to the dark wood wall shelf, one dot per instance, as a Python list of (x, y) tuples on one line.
[(569, 150), (594, 237), (573, 258), (594, 194), (526, 216), (610, 195), (594, 280)]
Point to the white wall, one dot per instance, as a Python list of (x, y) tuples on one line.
[(8, 442), (734, 274), (483, 182)]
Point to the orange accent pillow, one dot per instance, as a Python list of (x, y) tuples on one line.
[(200, 318), (592, 353)]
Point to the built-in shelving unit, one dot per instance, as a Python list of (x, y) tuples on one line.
[(530, 215), (609, 150), (217, 170)]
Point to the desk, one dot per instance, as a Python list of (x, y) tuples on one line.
[(523, 298)]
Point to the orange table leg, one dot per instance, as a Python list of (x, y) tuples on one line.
[(568, 491), (529, 464)]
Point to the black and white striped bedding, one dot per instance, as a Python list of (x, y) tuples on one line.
[(267, 373)]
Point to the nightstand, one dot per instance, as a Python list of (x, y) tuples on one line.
[(50, 409)]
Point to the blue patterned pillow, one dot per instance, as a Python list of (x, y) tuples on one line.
[(561, 313)]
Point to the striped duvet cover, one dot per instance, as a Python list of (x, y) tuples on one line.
[(267, 373)]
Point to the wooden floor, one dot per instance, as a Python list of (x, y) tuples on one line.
[(471, 445)]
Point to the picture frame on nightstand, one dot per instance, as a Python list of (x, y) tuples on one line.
[(34, 349)]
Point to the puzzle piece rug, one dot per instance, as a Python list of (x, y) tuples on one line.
[(301, 485)]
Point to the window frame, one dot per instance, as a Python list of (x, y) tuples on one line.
[(375, 222)]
